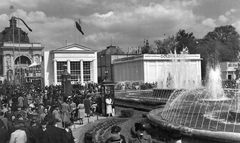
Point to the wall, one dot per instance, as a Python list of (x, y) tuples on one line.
[(48, 68), (184, 71), (131, 71)]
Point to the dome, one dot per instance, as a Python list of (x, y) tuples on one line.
[(7, 34)]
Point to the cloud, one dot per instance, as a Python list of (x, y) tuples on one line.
[(52, 32), (25, 3), (209, 22), (237, 25), (223, 18)]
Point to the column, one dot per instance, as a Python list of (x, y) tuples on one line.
[(92, 76), (81, 66), (55, 71), (68, 66), (4, 67)]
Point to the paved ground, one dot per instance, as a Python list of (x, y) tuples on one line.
[(76, 128)]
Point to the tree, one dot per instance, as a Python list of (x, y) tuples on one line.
[(147, 49), (220, 45), (166, 46), (184, 40), (224, 40)]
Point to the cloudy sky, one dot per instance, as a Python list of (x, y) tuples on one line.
[(126, 22)]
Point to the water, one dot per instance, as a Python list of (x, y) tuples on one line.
[(214, 85), (178, 74), (205, 108)]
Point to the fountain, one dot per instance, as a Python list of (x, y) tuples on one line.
[(207, 114)]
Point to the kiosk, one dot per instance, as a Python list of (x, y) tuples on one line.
[(66, 83), (107, 88)]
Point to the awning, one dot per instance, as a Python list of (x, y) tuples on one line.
[(34, 64)]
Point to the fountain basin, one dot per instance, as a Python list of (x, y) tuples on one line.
[(191, 135)]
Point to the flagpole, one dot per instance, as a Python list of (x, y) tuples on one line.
[(13, 68), (79, 33), (74, 25), (20, 77)]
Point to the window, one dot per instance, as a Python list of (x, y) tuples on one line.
[(86, 70), (75, 71), (60, 70), (229, 77)]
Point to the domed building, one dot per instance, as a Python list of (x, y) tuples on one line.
[(17, 53)]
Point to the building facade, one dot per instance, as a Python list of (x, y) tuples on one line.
[(17, 53), (169, 71), (105, 61), (228, 70), (81, 63)]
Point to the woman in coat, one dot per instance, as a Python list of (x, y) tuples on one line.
[(81, 112), (109, 104)]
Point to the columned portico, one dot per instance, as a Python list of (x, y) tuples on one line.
[(80, 62)]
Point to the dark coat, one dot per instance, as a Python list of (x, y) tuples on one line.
[(4, 135), (55, 135), (87, 105), (40, 135), (69, 136)]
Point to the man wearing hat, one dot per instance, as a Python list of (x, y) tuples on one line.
[(116, 135), (139, 135), (68, 132)]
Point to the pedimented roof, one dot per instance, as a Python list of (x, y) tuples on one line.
[(74, 48)]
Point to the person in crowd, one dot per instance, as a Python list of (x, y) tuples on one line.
[(41, 132), (8, 114), (116, 135), (19, 135), (139, 135), (65, 110), (54, 134), (68, 132), (25, 102), (57, 116), (109, 103), (81, 112), (33, 131), (33, 114), (43, 115), (4, 108), (73, 110), (20, 101), (4, 120), (4, 133), (87, 105)]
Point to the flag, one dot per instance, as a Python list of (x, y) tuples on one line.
[(79, 27), (11, 7)]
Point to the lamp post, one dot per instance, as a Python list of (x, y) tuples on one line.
[(19, 42)]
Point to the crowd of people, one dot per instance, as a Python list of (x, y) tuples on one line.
[(31, 114)]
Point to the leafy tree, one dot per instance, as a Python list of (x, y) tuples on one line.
[(166, 46), (223, 42), (185, 39), (220, 45), (148, 49)]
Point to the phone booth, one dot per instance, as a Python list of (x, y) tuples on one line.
[(107, 88), (66, 83)]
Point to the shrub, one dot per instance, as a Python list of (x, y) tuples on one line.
[(127, 113)]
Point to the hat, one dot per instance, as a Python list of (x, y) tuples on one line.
[(68, 123), (115, 138), (139, 127), (116, 129)]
